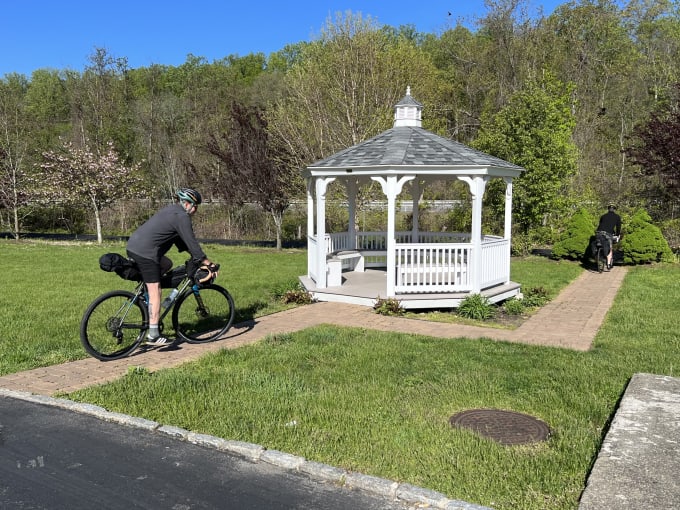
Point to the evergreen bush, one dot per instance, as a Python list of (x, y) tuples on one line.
[(643, 242), (574, 241)]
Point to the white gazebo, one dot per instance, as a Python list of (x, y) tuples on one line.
[(420, 269)]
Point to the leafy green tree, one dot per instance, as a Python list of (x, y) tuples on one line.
[(508, 49), (179, 108), (342, 88), (100, 103), (574, 240), (466, 87), (534, 132), (161, 120), (643, 241), (587, 44), (83, 178), (654, 26), (47, 103)]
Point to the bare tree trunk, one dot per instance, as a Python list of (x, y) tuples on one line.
[(15, 213), (98, 221), (278, 222)]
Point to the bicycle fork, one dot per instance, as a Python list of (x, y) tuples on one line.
[(201, 310)]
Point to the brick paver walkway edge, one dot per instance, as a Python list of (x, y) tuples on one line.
[(570, 321)]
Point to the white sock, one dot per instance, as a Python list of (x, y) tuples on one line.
[(153, 331)]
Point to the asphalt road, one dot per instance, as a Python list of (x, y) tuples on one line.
[(53, 458)]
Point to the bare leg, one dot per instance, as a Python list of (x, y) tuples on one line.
[(154, 290)]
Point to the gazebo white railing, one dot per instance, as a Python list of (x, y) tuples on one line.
[(425, 262)]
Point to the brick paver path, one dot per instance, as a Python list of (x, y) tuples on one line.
[(569, 321)]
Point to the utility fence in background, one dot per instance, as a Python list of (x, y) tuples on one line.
[(214, 220)]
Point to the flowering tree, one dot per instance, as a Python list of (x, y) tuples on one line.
[(80, 177)]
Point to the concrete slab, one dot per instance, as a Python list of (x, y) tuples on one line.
[(639, 463)]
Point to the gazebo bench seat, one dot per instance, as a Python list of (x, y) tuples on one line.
[(352, 260)]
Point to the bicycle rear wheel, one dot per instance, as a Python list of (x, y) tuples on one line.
[(113, 325), (204, 314), (601, 260)]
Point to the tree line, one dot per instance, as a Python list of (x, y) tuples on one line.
[(586, 99)]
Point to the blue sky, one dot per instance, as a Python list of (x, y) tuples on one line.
[(55, 34)]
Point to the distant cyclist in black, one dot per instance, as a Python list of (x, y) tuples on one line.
[(610, 226), (148, 245)]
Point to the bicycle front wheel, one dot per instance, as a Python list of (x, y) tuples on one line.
[(113, 325), (601, 260), (203, 315)]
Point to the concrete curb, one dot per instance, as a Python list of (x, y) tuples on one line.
[(395, 491)]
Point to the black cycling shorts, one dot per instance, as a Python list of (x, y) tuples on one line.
[(150, 269)]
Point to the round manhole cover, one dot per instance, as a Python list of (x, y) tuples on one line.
[(506, 427)]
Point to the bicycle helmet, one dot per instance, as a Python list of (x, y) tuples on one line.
[(189, 195)]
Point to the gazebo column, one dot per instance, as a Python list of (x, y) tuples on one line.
[(416, 193), (321, 271), (352, 210), (508, 223), (391, 187), (477, 186), (311, 254)]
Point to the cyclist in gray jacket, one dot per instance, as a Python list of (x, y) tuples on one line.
[(148, 245)]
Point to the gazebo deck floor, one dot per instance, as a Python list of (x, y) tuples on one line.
[(364, 288)]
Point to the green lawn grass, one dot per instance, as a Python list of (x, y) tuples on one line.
[(47, 287), (379, 402)]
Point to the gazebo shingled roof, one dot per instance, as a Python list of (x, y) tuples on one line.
[(411, 146)]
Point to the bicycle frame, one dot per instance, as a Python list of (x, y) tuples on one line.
[(140, 293)]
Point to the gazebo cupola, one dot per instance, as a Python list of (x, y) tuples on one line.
[(408, 111)]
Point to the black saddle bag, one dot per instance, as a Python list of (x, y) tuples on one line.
[(123, 267)]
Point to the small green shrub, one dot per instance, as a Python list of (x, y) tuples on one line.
[(520, 245), (297, 296), (574, 241), (477, 307), (514, 306), (536, 296), (389, 306), (291, 291), (280, 289)]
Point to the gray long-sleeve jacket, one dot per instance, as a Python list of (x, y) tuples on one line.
[(156, 236)]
